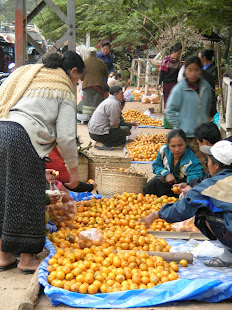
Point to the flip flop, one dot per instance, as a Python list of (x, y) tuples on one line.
[(103, 147), (27, 271), (10, 266), (217, 262)]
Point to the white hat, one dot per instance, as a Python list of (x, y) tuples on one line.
[(222, 151), (11, 66)]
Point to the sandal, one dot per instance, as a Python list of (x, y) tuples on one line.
[(217, 262), (103, 147)]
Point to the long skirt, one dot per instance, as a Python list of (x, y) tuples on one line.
[(159, 187), (91, 100), (217, 226), (22, 192)]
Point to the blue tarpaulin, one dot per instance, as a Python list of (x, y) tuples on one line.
[(197, 282)]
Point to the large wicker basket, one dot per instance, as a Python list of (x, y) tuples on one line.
[(83, 168), (113, 162), (110, 182)]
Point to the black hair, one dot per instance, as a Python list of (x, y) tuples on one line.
[(106, 88), (115, 89), (208, 54), (117, 75), (175, 48), (66, 61), (221, 165), (106, 43), (176, 133), (208, 131), (193, 60)]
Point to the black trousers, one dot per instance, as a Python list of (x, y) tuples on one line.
[(159, 187), (115, 137)]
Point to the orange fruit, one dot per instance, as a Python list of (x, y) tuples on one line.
[(103, 288), (83, 289), (60, 275), (183, 263), (92, 289)]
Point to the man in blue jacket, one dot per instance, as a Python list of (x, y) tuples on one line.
[(105, 55), (210, 202)]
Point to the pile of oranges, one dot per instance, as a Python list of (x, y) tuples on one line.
[(122, 211), (104, 270), (134, 115), (119, 262), (145, 148)]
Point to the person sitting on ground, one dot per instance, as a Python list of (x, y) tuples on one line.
[(206, 134), (175, 163), (115, 80), (57, 163), (210, 202), (104, 125)]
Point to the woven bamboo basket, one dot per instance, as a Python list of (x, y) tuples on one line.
[(113, 162), (83, 168), (111, 182)]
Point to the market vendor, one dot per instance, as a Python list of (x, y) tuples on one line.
[(210, 202), (37, 110), (105, 125), (175, 163)]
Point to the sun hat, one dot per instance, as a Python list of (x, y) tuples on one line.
[(222, 151)]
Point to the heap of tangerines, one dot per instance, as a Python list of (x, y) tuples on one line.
[(145, 148), (134, 115), (101, 269), (118, 262)]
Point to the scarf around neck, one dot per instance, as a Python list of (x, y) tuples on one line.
[(34, 80), (165, 63)]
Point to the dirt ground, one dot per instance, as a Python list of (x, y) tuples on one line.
[(13, 284)]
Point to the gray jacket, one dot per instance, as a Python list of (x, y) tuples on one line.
[(106, 116)]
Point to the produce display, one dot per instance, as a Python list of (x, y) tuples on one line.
[(145, 148), (62, 214), (105, 252), (138, 95), (134, 115)]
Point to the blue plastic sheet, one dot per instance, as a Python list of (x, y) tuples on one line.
[(197, 282), (84, 196)]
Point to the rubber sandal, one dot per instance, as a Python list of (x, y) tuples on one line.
[(27, 271), (103, 147), (217, 262), (10, 266)]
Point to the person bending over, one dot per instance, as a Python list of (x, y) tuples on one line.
[(210, 202)]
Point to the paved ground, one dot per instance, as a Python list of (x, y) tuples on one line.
[(13, 284)]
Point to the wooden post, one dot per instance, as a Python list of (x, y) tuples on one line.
[(228, 82), (139, 74), (71, 15), (20, 9), (147, 77)]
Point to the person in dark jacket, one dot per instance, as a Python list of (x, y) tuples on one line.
[(210, 202), (175, 163), (106, 56), (206, 57)]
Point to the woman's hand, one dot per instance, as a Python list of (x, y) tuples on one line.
[(50, 176), (94, 184), (74, 179), (170, 179), (53, 198), (186, 189), (149, 219)]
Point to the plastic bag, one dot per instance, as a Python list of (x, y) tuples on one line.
[(187, 225), (128, 96), (63, 214), (90, 237), (134, 132)]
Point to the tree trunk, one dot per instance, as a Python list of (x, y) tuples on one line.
[(227, 47)]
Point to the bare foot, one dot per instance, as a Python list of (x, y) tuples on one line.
[(6, 259), (28, 261), (99, 144)]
